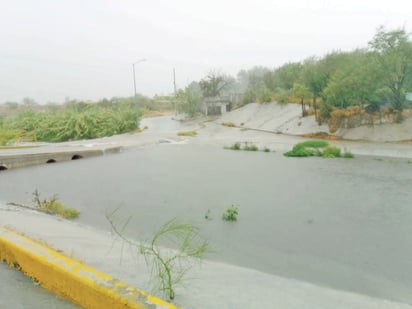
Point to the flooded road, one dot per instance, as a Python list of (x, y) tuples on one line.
[(334, 222), (19, 292)]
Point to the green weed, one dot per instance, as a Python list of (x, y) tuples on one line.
[(250, 148), (235, 146), (54, 207), (317, 148), (331, 152), (314, 144), (168, 267), (348, 155), (208, 215), (231, 213), (300, 151)]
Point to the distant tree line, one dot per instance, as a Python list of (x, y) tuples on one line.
[(379, 74)]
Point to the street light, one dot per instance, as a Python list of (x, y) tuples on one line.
[(134, 84)]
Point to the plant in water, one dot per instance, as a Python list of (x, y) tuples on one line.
[(347, 154), (54, 207), (300, 151), (331, 152), (170, 253), (314, 144), (230, 214), (250, 147), (266, 149), (318, 148), (235, 146), (208, 215)]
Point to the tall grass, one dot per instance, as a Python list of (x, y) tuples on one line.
[(74, 122), (54, 206)]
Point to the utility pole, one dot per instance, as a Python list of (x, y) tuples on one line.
[(174, 81), (174, 86)]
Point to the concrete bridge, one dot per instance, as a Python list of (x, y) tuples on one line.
[(21, 157)]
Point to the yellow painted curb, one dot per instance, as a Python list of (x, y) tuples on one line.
[(71, 279)]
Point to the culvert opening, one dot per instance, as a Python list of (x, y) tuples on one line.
[(77, 157), (51, 161), (3, 168)]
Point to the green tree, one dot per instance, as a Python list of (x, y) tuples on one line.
[(265, 96), (302, 92), (189, 100), (214, 84), (355, 82), (393, 52), (253, 86), (248, 96), (252, 78), (286, 76), (315, 77)]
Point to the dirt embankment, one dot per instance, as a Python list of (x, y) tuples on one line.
[(287, 119)]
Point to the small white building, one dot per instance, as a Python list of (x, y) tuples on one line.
[(215, 106)]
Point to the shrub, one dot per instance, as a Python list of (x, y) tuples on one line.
[(265, 96), (168, 267), (235, 146), (348, 155), (250, 148), (7, 136), (300, 151), (318, 148), (54, 207), (314, 144), (331, 152), (248, 96), (75, 122), (230, 214)]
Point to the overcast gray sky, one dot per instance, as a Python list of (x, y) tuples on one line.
[(84, 49)]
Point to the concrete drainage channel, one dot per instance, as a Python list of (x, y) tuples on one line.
[(11, 161), (56, 272)]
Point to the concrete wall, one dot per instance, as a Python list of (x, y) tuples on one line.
[(21, 160)]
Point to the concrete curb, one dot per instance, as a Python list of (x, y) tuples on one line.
[(71, 279)]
